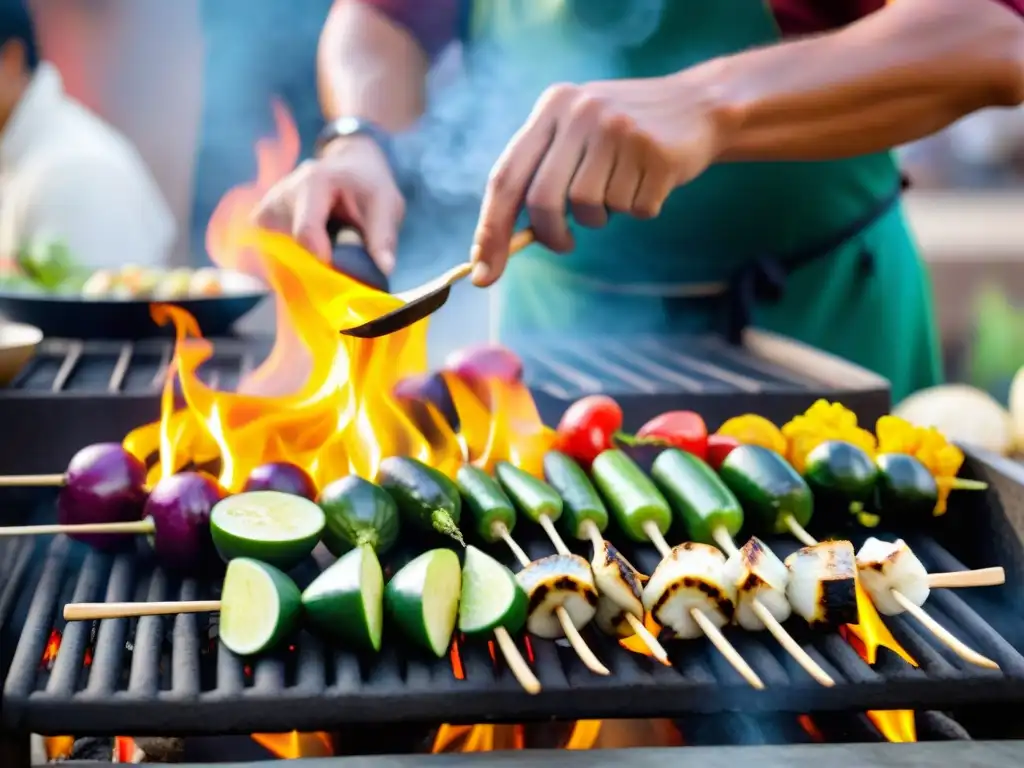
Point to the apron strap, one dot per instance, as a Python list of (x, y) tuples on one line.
[(764, 280)]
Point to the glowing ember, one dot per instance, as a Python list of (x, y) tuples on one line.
[(291, 746)]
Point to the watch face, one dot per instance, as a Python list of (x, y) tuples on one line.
[(346, 126)]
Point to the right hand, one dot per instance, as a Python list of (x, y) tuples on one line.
[(350, 181)]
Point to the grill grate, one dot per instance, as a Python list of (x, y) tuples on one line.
[(159, 675)]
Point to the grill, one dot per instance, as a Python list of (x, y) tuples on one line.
[(168, 675)]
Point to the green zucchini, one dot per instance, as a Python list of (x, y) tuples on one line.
[(346, 601), (634, 500), (485, 502), (906, 489), (260, 606), (276, 528), (841, 476), (358, 512), (768, 488), (425, 497), (423, 599), (698, 495), (491, 596), (581, 503), (531, 496)]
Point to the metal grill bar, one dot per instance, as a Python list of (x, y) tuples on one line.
[(317, 686)]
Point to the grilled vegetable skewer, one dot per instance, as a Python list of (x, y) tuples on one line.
[(897, 581), (713, 515), (490, 507), (644, 514)]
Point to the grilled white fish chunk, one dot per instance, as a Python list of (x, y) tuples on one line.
[(619, 589), (758, 574), (691, 576), (558, 581), (885, 566), (823, 584)]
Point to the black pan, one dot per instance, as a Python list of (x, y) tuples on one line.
[(76, 318)]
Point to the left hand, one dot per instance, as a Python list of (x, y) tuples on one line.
[(617, 145)]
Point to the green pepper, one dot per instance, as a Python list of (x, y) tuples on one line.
[(707, 506), (906, 489), (634, 499), (530, 495), (581, 503), (768, 488), (841, 475), (485, 502)]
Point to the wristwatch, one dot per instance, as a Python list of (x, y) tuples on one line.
[(356, 126)]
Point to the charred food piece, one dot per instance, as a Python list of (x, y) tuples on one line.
[(691, 576), (823, 584), (558, 581), (758, 574), (620, 591), (883, 567)]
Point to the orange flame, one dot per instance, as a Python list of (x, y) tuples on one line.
[(866, 638), (292, 746)]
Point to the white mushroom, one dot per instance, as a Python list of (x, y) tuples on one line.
[(758, 574), (885, 566), (620, 591), (558, 581), (823, 584), (691, 576)]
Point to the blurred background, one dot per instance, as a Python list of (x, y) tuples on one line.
[(191, 84)]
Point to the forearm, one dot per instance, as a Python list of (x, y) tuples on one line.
[(900, 74), (370, 67)]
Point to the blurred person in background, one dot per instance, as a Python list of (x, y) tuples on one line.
[(66, 177), (741, 147)]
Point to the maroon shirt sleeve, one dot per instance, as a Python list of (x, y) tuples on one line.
[(801, 17), (434, 23)]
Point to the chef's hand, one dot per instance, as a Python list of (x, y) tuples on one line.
[(618, 145), (350, 181)]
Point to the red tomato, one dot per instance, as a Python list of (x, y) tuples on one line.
[(720, 446), (588, 427), (684, 430)]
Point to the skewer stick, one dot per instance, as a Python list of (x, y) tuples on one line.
[(554, 535), (142, 527), (651, 529), (982, 577), (725, 648), (516, 663), (94, 611), (798, 531), (791, 646), (32, 481), (943, 634), (590, 661), (657, 649)]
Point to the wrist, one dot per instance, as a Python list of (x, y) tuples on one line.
[(713, 91)]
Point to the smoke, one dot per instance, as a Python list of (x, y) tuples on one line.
[(479, 97)]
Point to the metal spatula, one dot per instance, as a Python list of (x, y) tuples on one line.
[(426, 299)]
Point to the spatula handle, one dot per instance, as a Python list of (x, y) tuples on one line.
[(351, 257)]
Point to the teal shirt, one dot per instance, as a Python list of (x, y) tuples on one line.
[(866, 299)]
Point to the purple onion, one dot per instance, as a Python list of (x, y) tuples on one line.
[(429, 388), (281, 476), (103, 484), (485, 361), (179, 507)]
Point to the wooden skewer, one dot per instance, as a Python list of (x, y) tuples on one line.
[(590, 661), (791, 646), (798, 531), (706, 625), (943, 634), (714, 634), (141, 527), (981, 577), (516, 663), (657, 649), (32, 481), (94, 611)]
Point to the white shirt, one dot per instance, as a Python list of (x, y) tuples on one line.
[(67, 176)]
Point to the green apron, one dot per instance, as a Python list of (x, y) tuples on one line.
[(855, 285)]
